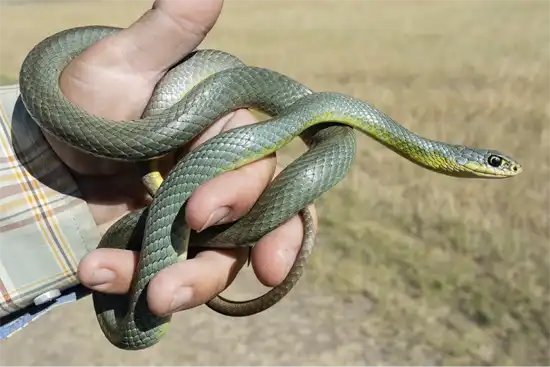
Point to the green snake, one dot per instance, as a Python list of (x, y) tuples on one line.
[(204, 86)]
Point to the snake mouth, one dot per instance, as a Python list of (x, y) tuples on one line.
[(495, 174)]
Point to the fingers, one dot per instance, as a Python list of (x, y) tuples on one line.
[(181, 286), (229, 196), (193, 282)]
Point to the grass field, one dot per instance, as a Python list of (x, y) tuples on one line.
[(456, 266)]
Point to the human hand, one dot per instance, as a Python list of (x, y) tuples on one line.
[(120, 72)]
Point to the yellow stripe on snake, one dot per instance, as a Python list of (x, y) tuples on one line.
[(207, 85)]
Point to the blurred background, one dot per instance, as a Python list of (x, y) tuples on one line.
[(411, 267)]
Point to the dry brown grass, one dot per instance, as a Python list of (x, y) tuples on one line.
[(456, 266)]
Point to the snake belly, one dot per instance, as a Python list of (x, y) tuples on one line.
[(207, 85)]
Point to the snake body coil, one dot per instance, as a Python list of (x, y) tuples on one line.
[(206, 86)]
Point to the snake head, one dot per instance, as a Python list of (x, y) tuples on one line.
[(486, 163)]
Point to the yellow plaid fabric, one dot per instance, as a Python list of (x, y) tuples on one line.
[(45, 226)]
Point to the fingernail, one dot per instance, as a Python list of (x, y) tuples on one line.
[(216, 217), (182, 296), (102, 276)]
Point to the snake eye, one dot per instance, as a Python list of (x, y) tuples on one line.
[(494, 161)]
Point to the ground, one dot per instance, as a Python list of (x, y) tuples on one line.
[(410, 266)]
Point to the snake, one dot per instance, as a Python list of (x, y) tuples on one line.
[(205, 85)]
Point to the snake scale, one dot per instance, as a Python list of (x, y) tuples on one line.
[(205, 86)]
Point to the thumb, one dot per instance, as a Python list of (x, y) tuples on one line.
[(167, 32), (137, 57), (121, 71)]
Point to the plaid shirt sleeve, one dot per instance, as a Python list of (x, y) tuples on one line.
[(45, 225)]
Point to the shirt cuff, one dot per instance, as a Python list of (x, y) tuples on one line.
[(16, 321)]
